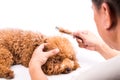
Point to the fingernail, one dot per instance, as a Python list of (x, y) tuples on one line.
[(57, 50)]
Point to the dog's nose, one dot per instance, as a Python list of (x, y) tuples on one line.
[(67, 70)]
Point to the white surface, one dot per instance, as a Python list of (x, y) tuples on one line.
[(44, 16)]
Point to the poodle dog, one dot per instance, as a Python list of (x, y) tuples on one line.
[(17, 46)]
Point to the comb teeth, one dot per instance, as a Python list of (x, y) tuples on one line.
[(57, 27)]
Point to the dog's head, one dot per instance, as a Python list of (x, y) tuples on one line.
[(65, 61)]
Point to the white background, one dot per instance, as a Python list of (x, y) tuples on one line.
[(44, 16)]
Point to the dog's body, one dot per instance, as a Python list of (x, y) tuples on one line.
[(17, 46)]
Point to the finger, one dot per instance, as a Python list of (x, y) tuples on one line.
[(78, 35), (84, 32), (41, 47), (52, 52), (75, 33), (80, 43), (90, 48), (79, 40)]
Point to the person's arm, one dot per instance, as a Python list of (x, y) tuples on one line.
[(106, 51), (36, 72), (38, 59), (91, 42)]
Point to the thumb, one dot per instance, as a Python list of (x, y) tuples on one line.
[(41, 47), (52, 52)]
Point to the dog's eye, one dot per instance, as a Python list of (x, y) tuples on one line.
[(59, 59), (49, 69)]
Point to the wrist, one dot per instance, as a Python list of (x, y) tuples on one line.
[(36, 72), (99, 45), (106, 51), (34, 67), (34, 64)]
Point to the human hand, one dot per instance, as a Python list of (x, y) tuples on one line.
[(87, 39), (39, 57)]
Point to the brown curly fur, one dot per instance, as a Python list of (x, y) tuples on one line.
[(17, 46)]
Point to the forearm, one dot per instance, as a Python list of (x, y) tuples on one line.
[(37, 73), (106, 51)]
